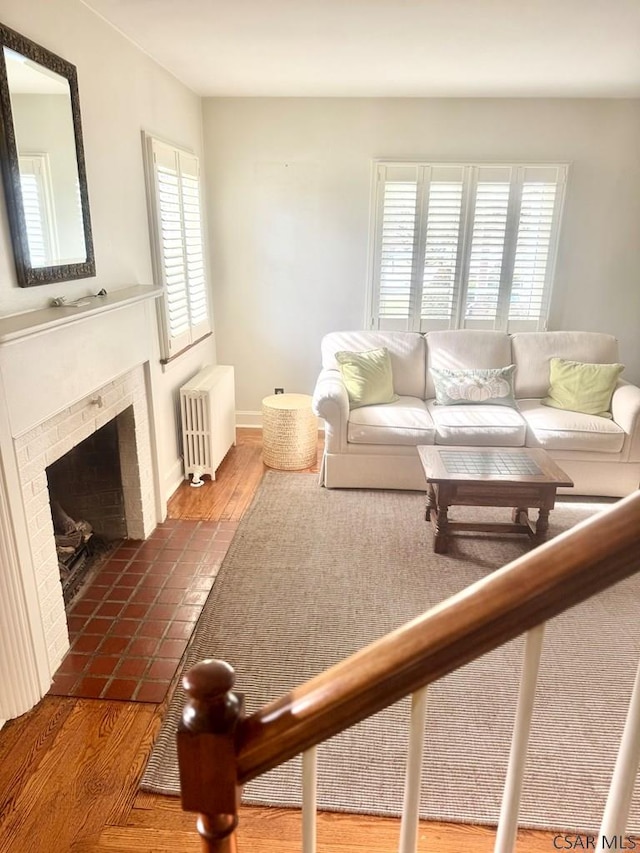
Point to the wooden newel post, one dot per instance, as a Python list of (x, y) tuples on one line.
[(207, 756)]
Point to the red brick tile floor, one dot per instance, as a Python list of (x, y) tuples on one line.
[(131, 623)]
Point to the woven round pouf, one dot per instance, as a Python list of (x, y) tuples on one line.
[(289, 432)]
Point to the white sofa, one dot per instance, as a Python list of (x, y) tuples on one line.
[(375, 446)]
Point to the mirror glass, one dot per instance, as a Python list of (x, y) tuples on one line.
[(43, 164)]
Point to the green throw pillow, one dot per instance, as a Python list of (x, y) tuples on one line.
[(367, 376), (482, 386), (582, 387)]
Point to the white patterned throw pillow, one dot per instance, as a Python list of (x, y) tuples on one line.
[(486, 386)]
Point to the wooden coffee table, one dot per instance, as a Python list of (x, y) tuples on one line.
[(518, 477)]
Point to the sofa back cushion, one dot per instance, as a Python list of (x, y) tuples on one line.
[(406, 350), (533, 351), (466, 348)]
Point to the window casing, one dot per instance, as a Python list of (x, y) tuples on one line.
[(464, 245), (175, 211)]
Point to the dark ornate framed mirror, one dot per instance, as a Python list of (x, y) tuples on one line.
[(43, 167)]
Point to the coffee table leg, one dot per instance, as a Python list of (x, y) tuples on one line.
[(517, 512), (431, 502), (542, 524), (442, 525)]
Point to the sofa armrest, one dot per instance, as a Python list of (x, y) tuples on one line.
[(331, 402), (625, 408)]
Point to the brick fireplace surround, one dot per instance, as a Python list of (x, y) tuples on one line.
[(64, 373), (46, 443)]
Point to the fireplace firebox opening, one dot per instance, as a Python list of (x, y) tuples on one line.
[(88, 503)]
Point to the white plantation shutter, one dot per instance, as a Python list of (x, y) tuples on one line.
[(38, 211), (172, 249), (191, 208), (442, 248), (535, 243), (179, 261), (398, 229), (487, 246), (33, 214), (464, 245)]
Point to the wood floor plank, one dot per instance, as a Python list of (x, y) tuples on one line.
[(124, 801), (272, 827), (162, 813), (23, 745), (116, 839), (209, 500), (128, 840), (249, 466), (245, 490), (78, 779)]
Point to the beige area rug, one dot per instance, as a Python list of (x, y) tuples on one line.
[(314, 574)]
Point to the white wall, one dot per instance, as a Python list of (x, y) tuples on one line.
[(289, 187), (122, 92)]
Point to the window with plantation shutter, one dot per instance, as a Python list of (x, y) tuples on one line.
[(535, 234), (396, 252), (441, 250), (35, 184), (464, 245), (179, 262)]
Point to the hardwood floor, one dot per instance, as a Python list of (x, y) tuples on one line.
[(69, 769)]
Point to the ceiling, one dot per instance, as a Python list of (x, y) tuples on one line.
[(389, 48)]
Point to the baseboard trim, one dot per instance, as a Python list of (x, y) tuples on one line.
[(249, 419), (173, 479)]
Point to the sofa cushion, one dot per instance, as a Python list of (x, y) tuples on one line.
[(406, 350), (560, 429), (582, 387), (532, 352), (491, 426), (491, 386), (461, 349), (406, 421), (367, 377)]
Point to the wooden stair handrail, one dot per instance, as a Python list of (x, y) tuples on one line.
[(577, 564)]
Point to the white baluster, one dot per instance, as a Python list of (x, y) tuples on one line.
[(508, 823), (411, 805), (309, 796), (616, 813)]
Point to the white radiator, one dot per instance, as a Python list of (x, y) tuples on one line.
[(207, 406)]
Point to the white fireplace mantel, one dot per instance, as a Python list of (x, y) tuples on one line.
[(53, 357), (16, 326), (51, 361)]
